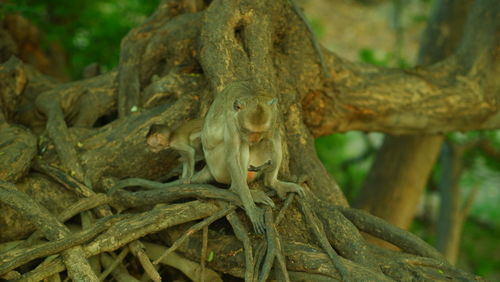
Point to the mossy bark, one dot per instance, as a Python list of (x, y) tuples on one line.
[(170, 69)]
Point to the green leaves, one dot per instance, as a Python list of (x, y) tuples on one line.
[(89, 31)]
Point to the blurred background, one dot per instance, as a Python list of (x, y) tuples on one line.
[(461, 183)]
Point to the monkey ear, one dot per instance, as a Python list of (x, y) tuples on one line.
[(237, 105), (273, 101)]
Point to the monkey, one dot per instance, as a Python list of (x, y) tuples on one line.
[(185, 139), (240, 131)]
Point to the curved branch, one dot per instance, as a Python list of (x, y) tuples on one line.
[(390, 233), (459, 93)]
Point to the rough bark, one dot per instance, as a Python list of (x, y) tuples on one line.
[(398, 177), (457, 93), (170, 68)]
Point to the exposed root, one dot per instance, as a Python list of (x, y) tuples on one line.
[(317, 228), (74, 259), (274, 251), (204, 251), (380, 228), (137, 249), (219, 214), (110, 267), (242, 234), (119, 231)]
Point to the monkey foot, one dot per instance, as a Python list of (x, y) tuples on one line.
[(256, 216), (186, 180), (283, 187), (261, 198)]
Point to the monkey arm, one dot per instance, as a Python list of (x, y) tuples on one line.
[(271, 175)]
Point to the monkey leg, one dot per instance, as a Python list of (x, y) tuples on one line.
[(283, 187), (188, 161), (272, 147)]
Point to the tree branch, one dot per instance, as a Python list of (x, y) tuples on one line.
[(461, 92)]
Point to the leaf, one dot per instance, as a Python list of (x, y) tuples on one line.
[(210, 257)]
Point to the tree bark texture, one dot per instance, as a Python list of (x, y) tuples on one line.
[(92, 141)]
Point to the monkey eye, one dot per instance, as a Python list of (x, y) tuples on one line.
[(237, 106)]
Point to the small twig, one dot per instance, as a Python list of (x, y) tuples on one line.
[(115, 263), (242, 234), (120, 273), (189, 268), (193, 229), (137, 249), (204, 250), (317, 228)]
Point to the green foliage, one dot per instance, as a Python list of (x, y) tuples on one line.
[(318, 27), (367, 56), (90, 31), (347, 157), (480, 241)]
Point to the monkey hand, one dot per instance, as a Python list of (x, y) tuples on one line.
[(261, 198), (283, 187)]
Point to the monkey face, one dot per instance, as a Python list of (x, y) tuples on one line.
[(256, 114), (158, 138), (158, 142)]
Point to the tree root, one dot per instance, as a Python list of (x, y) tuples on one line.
[(318, 230), (241, 234), (138, 250), (221, 213), (115, 262), (78, 267), (287, 257)]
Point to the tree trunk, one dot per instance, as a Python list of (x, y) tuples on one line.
[(171, 68), (403, 165), (398, 176)]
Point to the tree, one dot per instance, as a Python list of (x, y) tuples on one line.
[(170, 68)]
